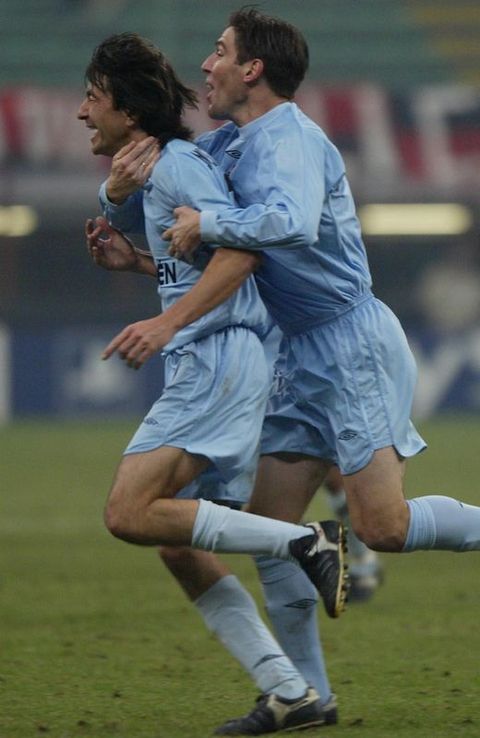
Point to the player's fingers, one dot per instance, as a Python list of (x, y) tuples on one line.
[(124, 151), (97, 255), (140, 152), (135, 359), (147, 164), (116, 343), (102, 222), (93, 238), (168, 234), (108, 229), (131, 345), (177, 212), (139, 359)]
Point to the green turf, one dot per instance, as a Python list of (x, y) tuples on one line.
[(96, 639)]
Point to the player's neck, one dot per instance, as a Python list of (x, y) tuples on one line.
[(138, 135), (255, 106)]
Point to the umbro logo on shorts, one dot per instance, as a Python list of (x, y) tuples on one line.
[(234, 153), (347, 435), (150, 421)]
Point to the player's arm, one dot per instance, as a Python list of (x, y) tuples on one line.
[(291, 180), (198, 181), (131, 166), (224, 274), (121, 195)]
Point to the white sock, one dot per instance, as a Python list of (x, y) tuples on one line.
[(442, 523), (230, 612), (218, 528)]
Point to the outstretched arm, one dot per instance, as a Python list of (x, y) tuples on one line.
[(226, 271)]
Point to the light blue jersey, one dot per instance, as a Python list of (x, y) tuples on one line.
[(291, 181), (185, 175), (345, 376), (216, 377)]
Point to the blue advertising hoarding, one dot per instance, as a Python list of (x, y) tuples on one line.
[(59, 373)]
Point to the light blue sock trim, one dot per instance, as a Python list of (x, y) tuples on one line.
[(442, 523), (229, 611), (421, 532)]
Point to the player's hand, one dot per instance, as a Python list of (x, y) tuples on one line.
[(139, 341), (184, 235), (109, 248), (131, 166)]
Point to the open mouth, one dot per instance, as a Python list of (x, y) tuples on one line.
[(209, 87), (92, 128)]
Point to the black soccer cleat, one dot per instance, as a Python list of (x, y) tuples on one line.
[(322, 557), (272, 714)]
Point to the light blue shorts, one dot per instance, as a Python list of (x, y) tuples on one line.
[(213, 404), (344, 389), (210, 486)]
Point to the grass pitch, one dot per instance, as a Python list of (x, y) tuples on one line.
[(97, 640)]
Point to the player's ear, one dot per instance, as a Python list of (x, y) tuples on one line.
[(253, 71), (130, 119)]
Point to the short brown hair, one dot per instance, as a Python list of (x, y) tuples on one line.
[(280, 46)]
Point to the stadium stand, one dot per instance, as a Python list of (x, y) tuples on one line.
[(395, 43), (392, 82), (453, 31)]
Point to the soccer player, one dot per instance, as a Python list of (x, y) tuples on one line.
[(346, 376), (201, 436)]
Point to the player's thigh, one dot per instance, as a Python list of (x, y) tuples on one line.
[(142, 478), (375, 497), (334, 480), (285, 485)]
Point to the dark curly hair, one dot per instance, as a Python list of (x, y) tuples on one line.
[(143, 83)]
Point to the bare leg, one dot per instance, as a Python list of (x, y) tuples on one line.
[(377, 507), (195, 571), (139, 507), (285, 485), (365, 568)]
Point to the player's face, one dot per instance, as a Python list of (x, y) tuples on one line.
[(225, 81), (111, 128)]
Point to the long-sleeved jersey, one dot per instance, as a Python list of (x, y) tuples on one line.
[(185, 175), (295, 205)]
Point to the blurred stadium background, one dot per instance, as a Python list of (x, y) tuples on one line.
[(395, 83)]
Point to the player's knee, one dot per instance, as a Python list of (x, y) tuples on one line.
[(119, 521), (381, 536)]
